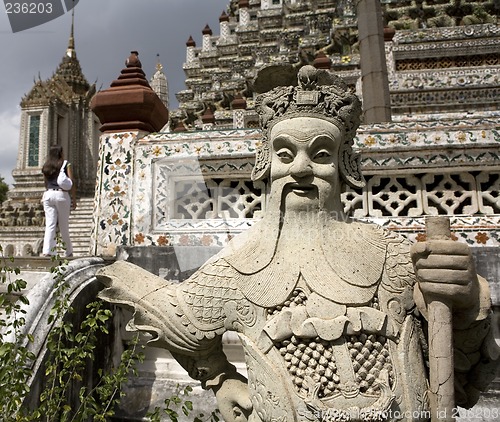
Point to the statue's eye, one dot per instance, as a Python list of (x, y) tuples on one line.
[(285, 155), (322, 156)]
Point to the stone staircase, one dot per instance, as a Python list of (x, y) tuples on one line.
[(80, 226)]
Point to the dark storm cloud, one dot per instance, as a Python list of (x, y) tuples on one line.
[(105, 33)]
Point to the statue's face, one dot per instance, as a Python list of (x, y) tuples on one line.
[(305, 162)]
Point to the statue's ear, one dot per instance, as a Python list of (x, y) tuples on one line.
[(262, 162), (350, 167)]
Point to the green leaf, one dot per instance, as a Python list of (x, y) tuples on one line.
[(4, 349)]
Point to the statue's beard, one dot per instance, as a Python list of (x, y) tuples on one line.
[(301, 215), (313, 242), (280, 228), (305, 203)]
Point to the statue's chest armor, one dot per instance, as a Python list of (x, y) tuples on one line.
[(351, 361), (346, 366), (335, 357)]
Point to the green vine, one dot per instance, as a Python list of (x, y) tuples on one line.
[(15, 357), (179, 401), (70, 352)]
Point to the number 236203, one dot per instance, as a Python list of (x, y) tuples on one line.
[(28, 8)]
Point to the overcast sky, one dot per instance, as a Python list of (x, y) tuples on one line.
[(105, 33)]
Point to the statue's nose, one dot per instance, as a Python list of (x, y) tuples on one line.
[(301, 166)]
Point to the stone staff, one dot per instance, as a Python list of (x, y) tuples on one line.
[(441, 377)]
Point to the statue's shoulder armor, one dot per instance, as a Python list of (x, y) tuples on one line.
[(398, 269), (203, 298)]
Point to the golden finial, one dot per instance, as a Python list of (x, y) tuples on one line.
[(159, 66)]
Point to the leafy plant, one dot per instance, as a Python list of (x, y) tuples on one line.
[(180, 402), (70, 352), (4, 188), (15, 357)]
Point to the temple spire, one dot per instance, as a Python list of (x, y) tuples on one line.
[(159, 83), (70, 69), (71, 52)]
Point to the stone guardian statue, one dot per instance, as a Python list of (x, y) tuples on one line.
[(331, 312)]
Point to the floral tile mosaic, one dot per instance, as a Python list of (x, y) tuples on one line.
[(113, 205), (414, 38), (475, 231), (399, 135)]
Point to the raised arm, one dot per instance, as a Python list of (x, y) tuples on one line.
[(188, 319)]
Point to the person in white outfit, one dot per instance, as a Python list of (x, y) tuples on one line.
[(57, 203)]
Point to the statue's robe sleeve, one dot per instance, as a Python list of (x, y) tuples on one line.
[(188, 318), (476, 354)]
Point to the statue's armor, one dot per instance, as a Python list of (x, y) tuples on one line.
[(359, 375), (329, 336), (328, 360)]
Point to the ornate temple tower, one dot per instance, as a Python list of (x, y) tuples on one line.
[(423, 76), (159, 84), (57, 112)]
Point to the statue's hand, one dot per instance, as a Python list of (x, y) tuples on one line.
[(233, 399), (445, 272)]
